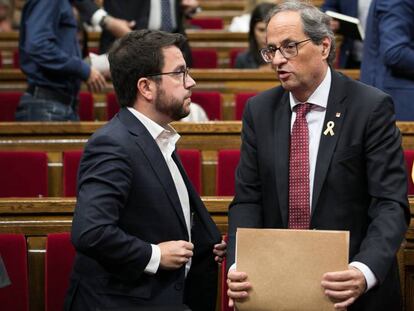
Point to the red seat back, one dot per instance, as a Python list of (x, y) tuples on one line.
[(112, 106), (71, 160), (8, 105), (227, 161), (204, 58), (409, 159), (16, 60), (240, 102), (14, 297), (210, 102), (60, 255), (23, 174), (86, 106), (208, 23), (191, 160)]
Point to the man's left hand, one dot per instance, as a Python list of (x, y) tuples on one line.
[(344, 287), (220, 251)]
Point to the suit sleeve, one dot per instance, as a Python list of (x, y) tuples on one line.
[(86, 9), (388, 210), (330, 5), (246, 209), (396, 26), (104, 185)]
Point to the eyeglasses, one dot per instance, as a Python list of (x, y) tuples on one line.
[(183, 71), (288, 50)]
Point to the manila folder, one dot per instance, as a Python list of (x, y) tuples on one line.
[(285, 267)]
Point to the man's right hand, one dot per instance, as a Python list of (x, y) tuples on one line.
[(118, 27), (174, 254), (238, 286)]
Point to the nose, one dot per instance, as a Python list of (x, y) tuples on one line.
[(189, 82), (278, 59)]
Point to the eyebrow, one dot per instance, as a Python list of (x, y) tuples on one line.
[(283, 43)]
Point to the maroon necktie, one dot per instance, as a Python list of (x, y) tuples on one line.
[(299, 208)]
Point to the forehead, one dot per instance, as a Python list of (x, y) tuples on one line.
[(173, 57), (285, 26)]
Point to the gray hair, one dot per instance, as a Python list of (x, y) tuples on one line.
[(316, 24)]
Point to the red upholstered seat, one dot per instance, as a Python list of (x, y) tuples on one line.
[(224, 297), (112, 106), (208, 23), (23, 174), (86, 106), (210, 101), (233, 55), (8, 105), (60, 255), (409, 158), (71, 160), (240, 102), (14, 297), (191, 160), (204, 58), (227, 161)]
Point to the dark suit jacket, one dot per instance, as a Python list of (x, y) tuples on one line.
[(131, 10), (126, 201), (347, 7), (360, 181), (389, 53)]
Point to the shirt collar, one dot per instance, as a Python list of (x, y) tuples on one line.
[(320, 96), (165, 137)]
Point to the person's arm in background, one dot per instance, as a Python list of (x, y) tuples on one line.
[(41, 45), (396, 24), (94, 15), (332, 5)]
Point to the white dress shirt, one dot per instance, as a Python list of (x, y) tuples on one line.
[(166, 138)]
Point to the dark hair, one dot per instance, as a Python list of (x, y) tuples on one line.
[(259, 14), (136, 55), (316, 24)]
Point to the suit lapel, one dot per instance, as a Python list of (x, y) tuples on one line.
[(283, 115), (154, 156), (335, 113)]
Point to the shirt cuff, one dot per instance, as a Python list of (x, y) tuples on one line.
[(232, 267), (370, 277), (97, 16), (154, 262)]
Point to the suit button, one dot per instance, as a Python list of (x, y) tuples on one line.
[(178, 286)]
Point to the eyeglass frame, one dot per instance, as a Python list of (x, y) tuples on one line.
[(184, 71), (280, 49)]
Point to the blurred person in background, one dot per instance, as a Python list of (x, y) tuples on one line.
[(5, 16), (350, 52), (251, 59), (51, 59)]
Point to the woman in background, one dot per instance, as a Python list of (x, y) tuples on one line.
[(251, 59)]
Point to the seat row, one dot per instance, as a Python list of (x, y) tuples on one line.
[(210, 101), (25, 173)]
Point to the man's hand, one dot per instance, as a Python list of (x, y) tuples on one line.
[(174, 254), (344, 287), (220, 251), (96, 81), (238, 286), (118, 27)]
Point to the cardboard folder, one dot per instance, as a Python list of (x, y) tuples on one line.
[(285, 267)]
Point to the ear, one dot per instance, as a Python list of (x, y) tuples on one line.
[(146, 88), (326, 47)]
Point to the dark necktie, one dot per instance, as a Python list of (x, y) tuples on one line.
[(166, 21), (299, 208)]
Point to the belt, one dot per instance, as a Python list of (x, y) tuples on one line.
[(42, 92)]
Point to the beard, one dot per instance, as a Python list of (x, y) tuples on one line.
[(172, 107)]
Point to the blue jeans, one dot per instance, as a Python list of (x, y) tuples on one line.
[(37, 109)]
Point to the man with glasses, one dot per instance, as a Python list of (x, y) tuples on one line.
[(143, 237), (322, 151)]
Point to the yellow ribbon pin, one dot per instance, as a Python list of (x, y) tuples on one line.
[(329, 128)]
